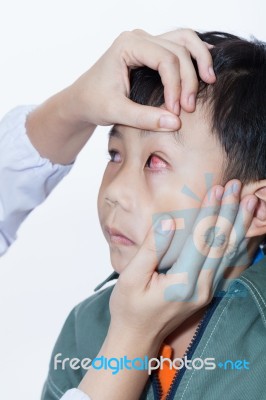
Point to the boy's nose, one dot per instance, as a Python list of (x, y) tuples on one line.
[(122, 192)]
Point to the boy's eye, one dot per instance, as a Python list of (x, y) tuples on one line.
[(155, 162), (114, 156)]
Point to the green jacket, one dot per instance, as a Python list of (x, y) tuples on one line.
[(234, 329)]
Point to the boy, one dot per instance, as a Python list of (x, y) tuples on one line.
[(211, 303)]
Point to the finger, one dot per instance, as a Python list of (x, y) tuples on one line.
[(156, 243), (145, 117), (171, 80), (184, 85), (196, 248), (224, 228), (141, 50), (208, 45), (197, 48), (189, 84), (236, 254), (222, 235)]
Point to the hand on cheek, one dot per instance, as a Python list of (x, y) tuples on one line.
[(216, 242)]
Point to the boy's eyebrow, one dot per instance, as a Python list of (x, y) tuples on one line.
[(114, 132)]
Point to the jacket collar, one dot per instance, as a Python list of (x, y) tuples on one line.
[(254, 279), (114, 275)]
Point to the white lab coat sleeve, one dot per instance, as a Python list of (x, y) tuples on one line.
[(26, 178), (75, 394)]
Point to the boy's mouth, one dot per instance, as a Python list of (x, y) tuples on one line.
[(116, 237)]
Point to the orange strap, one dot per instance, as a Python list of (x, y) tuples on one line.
[(166, 374)]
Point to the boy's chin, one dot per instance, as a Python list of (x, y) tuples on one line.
[(119, 262)]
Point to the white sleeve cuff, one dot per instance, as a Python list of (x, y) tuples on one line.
[(75, 394), (26, 178)]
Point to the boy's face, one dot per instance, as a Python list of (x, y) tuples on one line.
[(146, 175)]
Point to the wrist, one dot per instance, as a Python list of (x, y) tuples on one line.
[(56, 131), (132, 343), (125, 347), (68, 107)]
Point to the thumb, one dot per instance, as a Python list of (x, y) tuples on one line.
[(155, 245), (146, 117)]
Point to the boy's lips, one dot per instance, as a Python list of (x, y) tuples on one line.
[(116, 237)]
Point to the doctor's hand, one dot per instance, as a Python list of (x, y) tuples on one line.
[(103, 91), (61, 126), (150, 304)]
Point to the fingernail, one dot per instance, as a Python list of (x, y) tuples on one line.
[(251, 204), (219, 193), (191, 100), (168, 122), (164, 225), (262, 190), (236, 188), (177, 108), (168, 225), (211, 71)]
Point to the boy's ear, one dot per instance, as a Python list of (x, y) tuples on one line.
[(258, 224)]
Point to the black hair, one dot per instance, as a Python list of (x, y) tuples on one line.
[(236, 101)]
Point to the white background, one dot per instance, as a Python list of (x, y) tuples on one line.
[(60, 254)]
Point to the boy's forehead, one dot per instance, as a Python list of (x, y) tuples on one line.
[(195, 130), (118, 131)]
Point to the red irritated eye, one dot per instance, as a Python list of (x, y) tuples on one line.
[(155, 162)]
